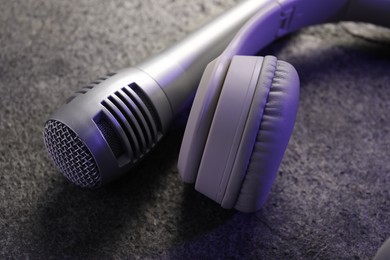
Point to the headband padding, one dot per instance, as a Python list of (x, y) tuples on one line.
[(274, 130)]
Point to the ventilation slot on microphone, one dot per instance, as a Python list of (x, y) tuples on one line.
[(111, 137), (134, 115), (90, 86)]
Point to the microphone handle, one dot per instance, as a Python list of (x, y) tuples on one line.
[(178, 69)]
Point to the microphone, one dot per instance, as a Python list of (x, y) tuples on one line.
[(111, 124)]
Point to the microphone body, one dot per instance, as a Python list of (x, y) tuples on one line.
[(111, 124)]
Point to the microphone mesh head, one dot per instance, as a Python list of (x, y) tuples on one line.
[(71, 155)]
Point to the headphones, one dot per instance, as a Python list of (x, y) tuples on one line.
[(245, 107), (242, 116)]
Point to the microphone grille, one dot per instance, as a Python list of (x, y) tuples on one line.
[(71, 155)]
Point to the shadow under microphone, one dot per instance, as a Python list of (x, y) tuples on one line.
[(111, 124)]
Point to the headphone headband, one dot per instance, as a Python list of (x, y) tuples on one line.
[(281, 17)]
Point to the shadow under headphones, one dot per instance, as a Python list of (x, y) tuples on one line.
[(242, 115)]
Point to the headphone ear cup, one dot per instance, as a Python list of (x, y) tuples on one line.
[(224, 151), (200, 119), (250, 130), (268, 133), (227, 126)]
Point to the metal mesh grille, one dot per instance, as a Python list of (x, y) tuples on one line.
[(71, 155)]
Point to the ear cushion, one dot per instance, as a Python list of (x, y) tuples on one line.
[(275, 126)]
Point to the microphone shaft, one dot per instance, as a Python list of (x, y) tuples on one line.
[(178, 69)]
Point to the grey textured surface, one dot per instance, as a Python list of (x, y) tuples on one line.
[(331, 197)]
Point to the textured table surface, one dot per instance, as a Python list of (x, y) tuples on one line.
[(330, 199)]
